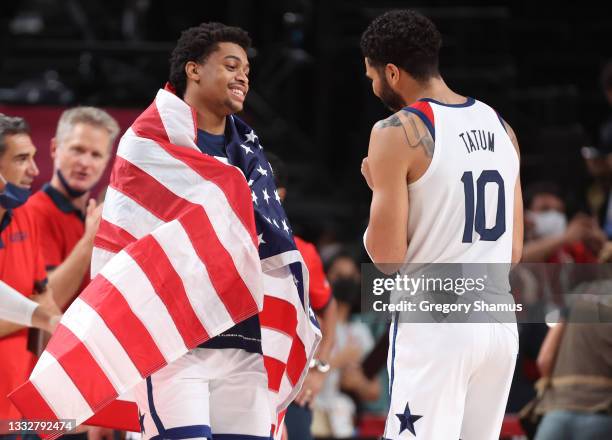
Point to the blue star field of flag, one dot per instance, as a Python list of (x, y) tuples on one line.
[(244, 150)]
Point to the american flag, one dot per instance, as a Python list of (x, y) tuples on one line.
[(180, 257)]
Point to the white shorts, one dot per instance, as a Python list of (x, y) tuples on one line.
[(220, 392), (449, 381)]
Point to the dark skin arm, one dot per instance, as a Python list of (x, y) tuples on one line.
[(315, 379), (395, 143)]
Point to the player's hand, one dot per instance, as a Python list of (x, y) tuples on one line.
[(605, 255), (596, 238), (313, 383), (98, 433), (578, 228), (365, 170), (47, 315), (92, 219), (352, 378), (349, 355)]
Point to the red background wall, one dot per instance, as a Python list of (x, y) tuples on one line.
[(43, 122)]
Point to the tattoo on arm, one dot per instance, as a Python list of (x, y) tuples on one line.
[(391, 121), (420, 138)]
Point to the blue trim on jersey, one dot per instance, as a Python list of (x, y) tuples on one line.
[(425, 120), (239, 437), (501, 121), (183, 432), (470, 101), (158, 423), (392, 372)]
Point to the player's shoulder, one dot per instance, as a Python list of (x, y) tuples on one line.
[(504, 123), (412, 126), (511, 134), (38, 201), (404, 116), (24, 219)]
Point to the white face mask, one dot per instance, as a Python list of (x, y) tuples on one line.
[(549, 223)]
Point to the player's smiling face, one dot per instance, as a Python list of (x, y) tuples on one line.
[(224, 78)]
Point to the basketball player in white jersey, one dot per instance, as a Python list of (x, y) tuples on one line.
[(444, 174)]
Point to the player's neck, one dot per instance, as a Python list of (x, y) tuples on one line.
[(2, 212), (79, 203), (206, 119), (437, 89)]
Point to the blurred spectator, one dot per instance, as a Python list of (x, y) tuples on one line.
[(576, 364), (605, 132), (298, 419), (21, 264), (343, 267), (68, 219), (598, 160), (66, 216), (549, 238), (335, 410), (548, 235)]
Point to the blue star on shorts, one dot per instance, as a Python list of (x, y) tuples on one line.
[(407, 420)]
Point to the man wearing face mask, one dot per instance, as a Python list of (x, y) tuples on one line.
[(550, 238), (67, 217), (21, 265)]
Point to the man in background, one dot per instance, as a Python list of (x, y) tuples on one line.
[(21, 265), (66, 215)]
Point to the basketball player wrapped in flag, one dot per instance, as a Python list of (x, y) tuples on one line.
[(183, 253)]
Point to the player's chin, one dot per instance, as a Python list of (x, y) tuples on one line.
[(234, 105)]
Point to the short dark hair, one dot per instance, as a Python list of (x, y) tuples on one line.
[(279, 168), (196, 44), (606, 76), (10, 125), (405, 38), (541, 187)]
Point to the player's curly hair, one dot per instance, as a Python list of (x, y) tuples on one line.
[(196, 44), (405, 38)]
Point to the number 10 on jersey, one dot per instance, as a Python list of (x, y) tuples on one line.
[(476, 221)]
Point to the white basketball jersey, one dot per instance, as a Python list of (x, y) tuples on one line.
[(461, 210)]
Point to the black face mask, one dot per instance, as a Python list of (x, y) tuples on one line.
[(72, 193), (13, 196), (348, 291)]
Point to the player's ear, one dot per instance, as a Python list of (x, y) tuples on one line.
[(53, 148), (192, 70), (392, 73)]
